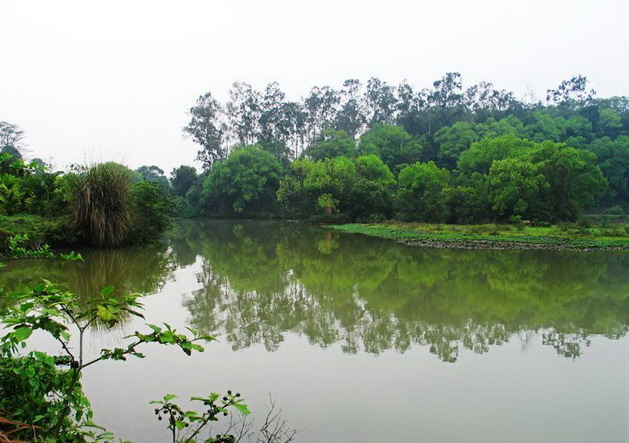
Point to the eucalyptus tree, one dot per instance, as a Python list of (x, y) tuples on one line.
[(351, 115), (573, 92), (410, 105), (380, 102), (244, 108), (208, 129), (322, 107)]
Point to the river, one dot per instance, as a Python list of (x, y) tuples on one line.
[(360, 339)]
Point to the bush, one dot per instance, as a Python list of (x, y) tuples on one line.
[(615, 210), (101, 205), (153, 210), (108, 209)]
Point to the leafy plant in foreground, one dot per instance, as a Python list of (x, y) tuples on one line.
[(185, 426), (45, 390), (17, 249)]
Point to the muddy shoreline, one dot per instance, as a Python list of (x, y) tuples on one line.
[(499, 245)]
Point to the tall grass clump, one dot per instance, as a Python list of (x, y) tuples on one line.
[(101, 207)]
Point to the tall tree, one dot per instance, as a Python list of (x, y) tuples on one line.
[(207, 130), (244, 112), (380, 102), (351, 115), (322, 106), (571, 92)]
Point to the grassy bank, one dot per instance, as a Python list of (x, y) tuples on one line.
[(565, 236)]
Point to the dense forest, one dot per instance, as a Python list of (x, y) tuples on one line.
[(360, 153), (374, 151)]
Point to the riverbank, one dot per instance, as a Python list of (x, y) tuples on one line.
[(495, 236)]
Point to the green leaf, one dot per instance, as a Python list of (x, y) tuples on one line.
[(154, 328), (107, 290), (242, 408), (22, 333), (169, 397)]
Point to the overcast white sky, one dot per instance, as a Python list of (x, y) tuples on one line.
[(112, 80)]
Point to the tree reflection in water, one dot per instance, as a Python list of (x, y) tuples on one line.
[(260, 280)]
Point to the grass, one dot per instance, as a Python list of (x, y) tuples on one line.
[(101, 207), (566, 236)]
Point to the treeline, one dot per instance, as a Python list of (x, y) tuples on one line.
[(367, 152)]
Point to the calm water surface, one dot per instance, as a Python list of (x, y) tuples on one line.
[(364, 340)]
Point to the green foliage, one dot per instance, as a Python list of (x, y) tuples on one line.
[(47, 193), (182, 179), (420, 194), (613, 159), (18, 247), (186, 425), (487, 238), (153, 211), (480, 156), (11, 194), (108, 208), (392, 144), (331, 143), (101, 208), (153, 174), (245, 183), (295, 200), (575, 182), (39, 230), (516, 187), (467, 204), (36, 391), (453, 140)]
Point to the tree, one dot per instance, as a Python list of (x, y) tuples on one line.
[(392, 144), (571, 92), (321, 106), (613, 159), (244, 112), (206, 129), (517, 187), (420, 192), (182, 178), (245, 183), (480, 156), (453, 140), (351, 116), (331, 143), (371, 195), (332, 178), (153, 174), (576, 182), (11, 137), (380, 102)]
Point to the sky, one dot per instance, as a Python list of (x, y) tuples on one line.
[(92, 81)]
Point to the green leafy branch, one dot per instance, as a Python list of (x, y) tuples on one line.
[(186, 425)]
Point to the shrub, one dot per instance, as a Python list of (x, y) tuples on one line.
[(152, 211), (101, 204)]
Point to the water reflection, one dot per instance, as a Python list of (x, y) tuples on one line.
[(144, 270), (259, 280)]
